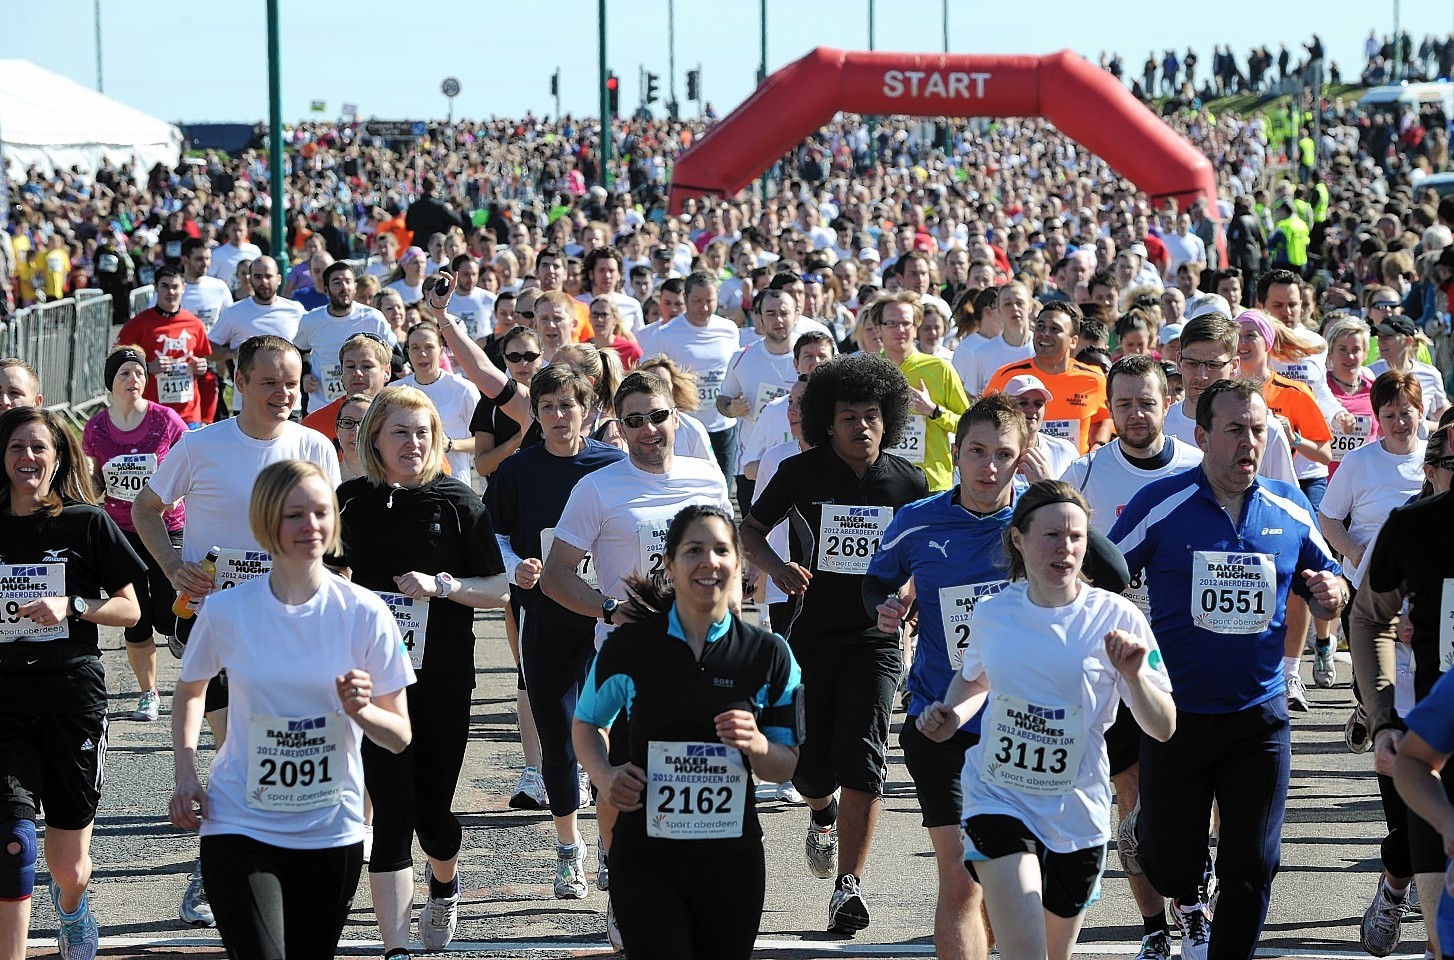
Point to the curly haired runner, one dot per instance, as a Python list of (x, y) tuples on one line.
[(843, 493)]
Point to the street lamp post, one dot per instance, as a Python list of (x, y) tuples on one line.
[(870, 25), (275, 140), (606, 179)]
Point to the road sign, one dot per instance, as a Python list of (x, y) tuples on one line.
[(396, 129), (450, 87)]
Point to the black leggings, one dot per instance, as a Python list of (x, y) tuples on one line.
[(154, 594), (412, 791), (273, 903), (662, 918), (555, 658)]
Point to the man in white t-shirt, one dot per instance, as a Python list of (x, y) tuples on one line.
[(234, 249), (705, 343), (204, 296), (214, 469), (1015, 310), (472, 303), (323, 331), (604, 270), (265, 312)]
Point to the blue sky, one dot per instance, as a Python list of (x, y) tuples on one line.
[(208, 61)]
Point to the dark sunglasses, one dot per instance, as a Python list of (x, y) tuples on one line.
[(529, 357), (1385, 305), (811, 277), (527, 314), (348, 423), (638, 420)]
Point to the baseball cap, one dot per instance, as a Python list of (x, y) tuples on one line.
[(661, 253), (1205, 303), (1397, 326), (1170, 332), (1138, 248), (1026, 383), (869, 253)]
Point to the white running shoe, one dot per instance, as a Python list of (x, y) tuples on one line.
[(787, 793), (1325, 670), (613, 932), (195, 908), (1382, 925), (1195, 922), (530, 791), (148, 707), (1297, 695), (603, 868), (438, 919), (570, 872), (847, 909), (822, 849)]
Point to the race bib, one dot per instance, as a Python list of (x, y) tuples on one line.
[(587, 568), (126, 474), (694, 791), (766, 393), (1137, 592), (956, 610), (911, 444), (849, 536), (1446, 628), (22, 583), (107, 263), (172, 250), (651, 538), (332, 380), (1033, 748), (1345, 443), (293, 763), (240, 566), (709, 384), (1232, 593), (412, 616), (1064, 429), (175, 383)]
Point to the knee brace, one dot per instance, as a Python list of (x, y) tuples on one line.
[(17, 869)]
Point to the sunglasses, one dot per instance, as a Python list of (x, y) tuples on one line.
[(811, 277), (529, 357), (1386, 305), (638, 420), (527, 314), (348, 423)]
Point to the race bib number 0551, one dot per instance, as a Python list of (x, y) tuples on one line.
[(694, 791), (1232, 593)]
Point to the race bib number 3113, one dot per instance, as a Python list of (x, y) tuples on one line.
[(1033, 748)]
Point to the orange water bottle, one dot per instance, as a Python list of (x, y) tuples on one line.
[(185, 607)]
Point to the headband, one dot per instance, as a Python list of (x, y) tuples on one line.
[(115, 362)]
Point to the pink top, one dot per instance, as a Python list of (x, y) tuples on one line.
[(103, 442), (1360, 404)]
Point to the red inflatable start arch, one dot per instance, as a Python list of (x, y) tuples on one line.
[(1085, 102)]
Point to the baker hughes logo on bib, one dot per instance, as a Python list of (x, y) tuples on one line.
[(699, 759), (1039, 721), (20, 576), (1237, 567), (296, 734)]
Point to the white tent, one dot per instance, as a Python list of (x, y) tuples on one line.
[(53, 122)]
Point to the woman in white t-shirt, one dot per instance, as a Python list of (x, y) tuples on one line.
[(408, 279), (314, 665), (1053, 657), (453, 396)]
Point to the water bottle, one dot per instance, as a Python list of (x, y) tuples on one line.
[(184, 606)]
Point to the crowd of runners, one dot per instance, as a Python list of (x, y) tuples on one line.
[(1078, 489)]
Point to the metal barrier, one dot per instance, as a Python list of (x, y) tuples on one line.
[(141, 298), (65, 342)]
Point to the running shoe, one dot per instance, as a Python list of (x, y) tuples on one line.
[(148, 707), (847, 910), (583, 783), (613, 932), (787, 793), (1155, 946), (176, 646), (1355, 731), (368, 842), (1127, 845), (1325, 671), (603, 869), (570, 872), (1196, 930), (822, 850), (529, 792), (438, 919), (195, 907), (78, 938), (1413, 909), (1297, 695), (1382, 925)]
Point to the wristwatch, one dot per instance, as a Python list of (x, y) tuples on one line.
[(937, 412), (608, 608), (79, 606), (446, 584)]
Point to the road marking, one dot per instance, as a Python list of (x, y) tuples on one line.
[(358, 948)]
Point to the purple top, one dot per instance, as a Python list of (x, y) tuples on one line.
[(120, 459)]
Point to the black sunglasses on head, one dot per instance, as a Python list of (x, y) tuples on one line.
[(638, 420), (527, 357)]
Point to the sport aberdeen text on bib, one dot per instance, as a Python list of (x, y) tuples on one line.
[(587, 568), (22, 583), (1032, 748), (293, 763), (849, 536), (412, 616), (1232, 592), (911, 444), (956, 610), (125, 475), (694, 791)]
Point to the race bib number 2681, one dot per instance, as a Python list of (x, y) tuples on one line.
[(849, 536)]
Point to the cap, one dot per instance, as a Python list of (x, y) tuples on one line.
[(1438, 445), (1170, 369), (869, 253), (1205, 303), (661, 253), (1026, 383), (1396, 326), (1138, 248), (1169, 332)]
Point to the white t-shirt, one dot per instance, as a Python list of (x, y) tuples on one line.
[(206, 298), (281, 660), (226, 257), (1108, 480), (215, 469), (761, 377), (777, 537), (1432, 382), (455, 398), (476, 309), (409, 292), (325, 334), (706, 351), (771, 429), (692, 440), (247, 318), (1060, 453), (1276, 461), (987, 358), (1182, 249), (1051, 663), (1367, 487), (620, 513), (626, 305)]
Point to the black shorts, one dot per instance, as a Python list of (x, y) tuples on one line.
[(935, 769), (53, 763), (848, 694), (154, 594), (1070, 881), (1123, 741)]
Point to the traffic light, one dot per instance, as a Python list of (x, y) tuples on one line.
[(613, 92), (693, 76), (555, 84), (651, 88)]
